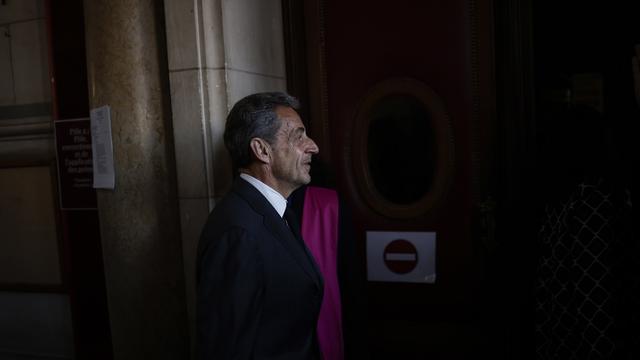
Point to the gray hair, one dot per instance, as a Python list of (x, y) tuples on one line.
[(254, 117)]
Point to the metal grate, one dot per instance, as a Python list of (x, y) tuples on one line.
[(576, 287)]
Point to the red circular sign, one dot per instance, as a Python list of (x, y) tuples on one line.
[(400, 256)]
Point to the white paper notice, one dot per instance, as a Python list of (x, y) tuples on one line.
[(102, 146), (401, 256)]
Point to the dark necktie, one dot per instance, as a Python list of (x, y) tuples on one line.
[(292, 222)]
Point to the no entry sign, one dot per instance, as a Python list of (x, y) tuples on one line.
[(400, 256), (394, 256)]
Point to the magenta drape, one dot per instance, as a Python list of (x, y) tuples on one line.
[(320, 233)]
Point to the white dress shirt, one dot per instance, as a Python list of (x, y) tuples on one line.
[(275, 198)]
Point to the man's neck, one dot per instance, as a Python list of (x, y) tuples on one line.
[(276, 199), (265, 176)]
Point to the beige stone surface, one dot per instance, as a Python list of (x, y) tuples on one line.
[(7, 94), (241, 84), (253, 36), (139, 219), (29, 246), (21, 10), (193, 215), (190, 134), (30, 62)]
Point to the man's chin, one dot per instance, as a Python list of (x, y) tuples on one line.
[(305, 180), (299, 182)]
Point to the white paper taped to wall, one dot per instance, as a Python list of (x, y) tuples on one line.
[(102, 147)]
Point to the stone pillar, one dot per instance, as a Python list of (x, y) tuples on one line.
[(127, 70), (218, 52)]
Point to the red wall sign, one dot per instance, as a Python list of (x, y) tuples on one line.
[(75, 164)]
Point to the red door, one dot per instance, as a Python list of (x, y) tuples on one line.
[(395, 90)]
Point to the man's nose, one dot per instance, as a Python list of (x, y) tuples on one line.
[(313, 148)]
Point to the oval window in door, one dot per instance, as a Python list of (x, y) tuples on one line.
[(403, 149)]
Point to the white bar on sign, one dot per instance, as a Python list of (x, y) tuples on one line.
[(400, 257)]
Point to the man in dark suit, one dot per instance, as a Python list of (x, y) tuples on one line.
[(259, 290)]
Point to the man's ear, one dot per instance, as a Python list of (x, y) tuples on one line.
[(260, 149)]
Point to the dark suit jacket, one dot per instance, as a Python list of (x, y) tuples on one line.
[(259, 290)]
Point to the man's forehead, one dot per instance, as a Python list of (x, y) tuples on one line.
[(289, 118), (286, 112)]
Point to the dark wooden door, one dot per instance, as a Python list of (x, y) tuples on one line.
[(426, 69)]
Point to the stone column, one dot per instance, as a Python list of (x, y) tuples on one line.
[(219, 51), (127, 70)]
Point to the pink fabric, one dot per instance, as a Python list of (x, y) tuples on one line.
[(320, 233)]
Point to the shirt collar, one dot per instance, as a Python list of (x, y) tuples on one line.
[(275, 198)]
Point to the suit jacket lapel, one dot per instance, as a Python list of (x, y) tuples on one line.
[(294, 226), (279, 229)]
